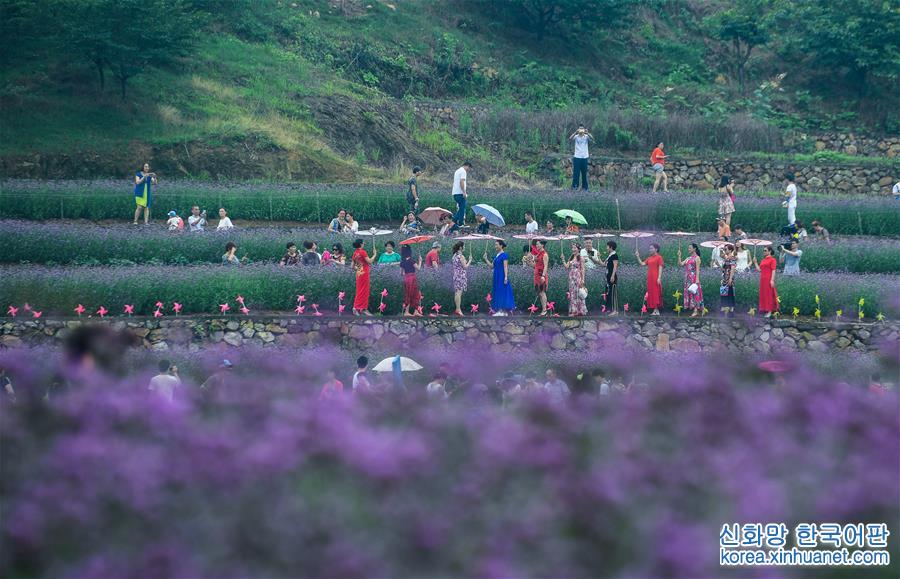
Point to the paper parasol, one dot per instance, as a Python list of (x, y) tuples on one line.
[(406, 365), (374, 232), (598, 235), (755, 242), (635, 234), (432, 215), (714, 243), (678, 233), (774, 366), (417, 239)]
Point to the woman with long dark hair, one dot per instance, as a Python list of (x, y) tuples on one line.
[(654, 263), (503, 301), (726, 199), (412, 297), (460, 280), (577, 289), (726, 289), (768, 294), (693, 292), (362, 265)]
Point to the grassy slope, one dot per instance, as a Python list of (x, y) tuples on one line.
[(235, 89)]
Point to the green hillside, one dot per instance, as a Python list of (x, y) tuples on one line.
[(319, 90)]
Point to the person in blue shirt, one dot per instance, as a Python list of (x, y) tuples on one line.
[(143, 185)]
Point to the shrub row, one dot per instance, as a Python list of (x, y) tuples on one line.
[(268, 287), (54, 243), (384, 205)]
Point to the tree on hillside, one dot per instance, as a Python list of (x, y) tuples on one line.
[(741, 29), (127, 36), (856, 38)]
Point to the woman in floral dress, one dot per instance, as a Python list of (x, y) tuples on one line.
[(575, 266), (460, 281), (693, 292), (726, 289)]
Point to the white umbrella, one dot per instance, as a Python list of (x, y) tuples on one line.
[(406, 365), (490, 214)]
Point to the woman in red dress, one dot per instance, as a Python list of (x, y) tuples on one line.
[(361, 264), (654, 263), (768, 295)]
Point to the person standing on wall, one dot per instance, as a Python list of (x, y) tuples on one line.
[(460, 194), (412, 192), (580, 158), (790, 198), (658, 162), (144, 180)]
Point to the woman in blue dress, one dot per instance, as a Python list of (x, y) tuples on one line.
[(502, 302), (143, 182)]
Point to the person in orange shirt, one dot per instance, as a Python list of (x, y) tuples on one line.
[(658, 162)]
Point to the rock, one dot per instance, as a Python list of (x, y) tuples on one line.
[(233, 339), (815, 182), (842, 342), (558, 342), (9, 341), (248, 332), (141, 332), (694, 163), (276, 329), (233, 326), (777, 333), (514, 329), (817, 346), (662, 342), (266, 337), (360, 332), (685, 345), (764, 337)]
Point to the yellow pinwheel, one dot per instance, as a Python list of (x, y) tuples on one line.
[(677, 308), (862, 314), (796, 312), (751, 312), (839, 313), (677, 295), (861, 302), (880, 317), (817, 299), (705, 310), (818, 314)]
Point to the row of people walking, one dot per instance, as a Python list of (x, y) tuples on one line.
[(503, 301)]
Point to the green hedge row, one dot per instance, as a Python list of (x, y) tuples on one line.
[(687, 211), (267, 287)]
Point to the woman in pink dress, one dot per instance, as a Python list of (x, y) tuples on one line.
[(654, 263), (693, 292)]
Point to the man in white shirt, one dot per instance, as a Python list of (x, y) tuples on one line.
[(197, 220), (361, 382), (790, 196), (436, 388), (460, 194), (556, 388), (224, 220), (531, 226), (166, 381), (896, 190), (580, 158), (589, 255)]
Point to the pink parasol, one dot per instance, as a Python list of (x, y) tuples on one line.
[(598, 235), (755, 242), (714, 243), (432, 215), (635, 235), (678, 234), (774, 366), (417, 239)]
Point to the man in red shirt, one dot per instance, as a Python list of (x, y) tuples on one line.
[(433, 257), (658, 162), (541, 273)]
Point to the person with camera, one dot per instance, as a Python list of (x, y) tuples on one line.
[(197, 219), (144, 180), (581, 137)]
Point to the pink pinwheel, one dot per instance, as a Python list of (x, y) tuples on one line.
[(341, 308), (12, 311), (644, 309), (533, 308), (419, 310), (488, 298), (384, 293), (224, 307), (157, 313), (301, 298), (603, 296), (602, 308), (341, 295), (177, 307), (646, 296), (27, 307), (245, 311), (315, 308), (36, 314), (239, 299), (436, 308), (568, 295), (79, 310), (129, 309), (300, 309), (381, 307), (474, 308), (625, 307), (102, 312), (551, 306), (159, 305)]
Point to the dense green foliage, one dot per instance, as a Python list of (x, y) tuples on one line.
[(202, 288)]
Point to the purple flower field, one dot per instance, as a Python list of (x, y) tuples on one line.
[(258, 478)]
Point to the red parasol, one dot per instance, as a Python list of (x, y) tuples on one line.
[(417, 239)]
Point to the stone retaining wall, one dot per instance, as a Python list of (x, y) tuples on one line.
[(499, 334), (850, 144), (749, 175)]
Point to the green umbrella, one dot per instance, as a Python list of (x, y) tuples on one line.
[(576, 216)]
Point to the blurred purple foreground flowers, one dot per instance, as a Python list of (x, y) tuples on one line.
[(264, 480)]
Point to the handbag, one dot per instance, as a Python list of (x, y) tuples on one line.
[(693, 288), (582, 293)]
